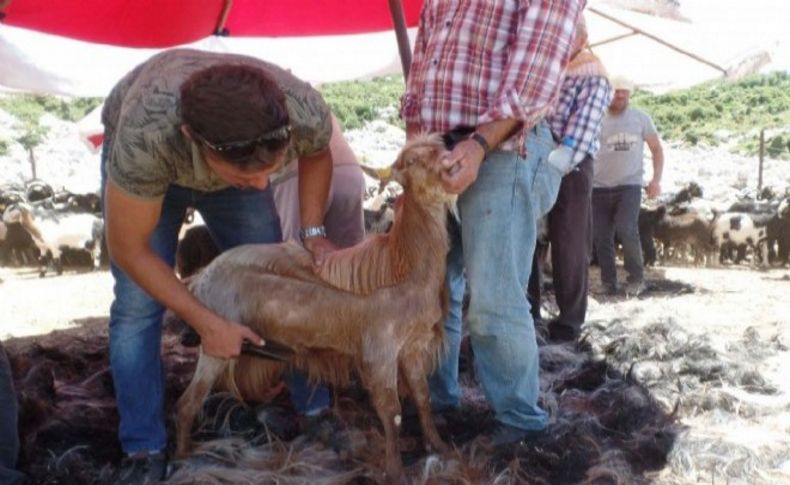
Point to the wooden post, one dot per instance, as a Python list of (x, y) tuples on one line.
[(401, 33), (762, 157)]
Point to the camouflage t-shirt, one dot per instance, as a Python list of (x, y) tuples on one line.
[(142, 121)]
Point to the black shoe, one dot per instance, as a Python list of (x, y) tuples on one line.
[(142, 468), (503, 435), (329, 430), (560, 332)]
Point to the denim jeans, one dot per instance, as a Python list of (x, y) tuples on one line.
[(9, 434), (498, 233), (616, 210), (233, 217)]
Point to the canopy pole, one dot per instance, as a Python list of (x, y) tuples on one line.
[(659, 40), (612, 39), (223, 19), (3, 5), (396, 9)]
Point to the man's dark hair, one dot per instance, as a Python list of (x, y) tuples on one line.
[(233, 103)]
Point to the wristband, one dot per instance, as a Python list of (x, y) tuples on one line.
[(312, 231), (480, 139)]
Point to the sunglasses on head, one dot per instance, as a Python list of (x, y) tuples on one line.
[(272, 141)]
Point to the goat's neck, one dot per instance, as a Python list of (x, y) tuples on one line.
[(418, 240), (414, 250)]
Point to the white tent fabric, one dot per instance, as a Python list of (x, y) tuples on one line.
[(727, 33), (32, 61)]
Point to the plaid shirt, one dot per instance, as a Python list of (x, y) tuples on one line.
[(477, 61), (578, 114)]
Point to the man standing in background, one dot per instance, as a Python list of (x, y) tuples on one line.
[(617, 186), (576, 127)]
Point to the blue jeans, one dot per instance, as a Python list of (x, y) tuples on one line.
[(616, 210), (233, 217), (498, 234)]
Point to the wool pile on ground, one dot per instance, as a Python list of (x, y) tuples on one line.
[(604, 427)]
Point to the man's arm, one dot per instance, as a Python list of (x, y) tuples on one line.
[(130, 224), (654, 187), (583, 125), (315, 180)]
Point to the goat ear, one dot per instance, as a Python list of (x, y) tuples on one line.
[(381, 174)]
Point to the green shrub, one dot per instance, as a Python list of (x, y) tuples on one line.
[(693, 115), (3, 147), (28, 108), (355, 102)]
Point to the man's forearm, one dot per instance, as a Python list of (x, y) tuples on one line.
[(315, 180), (495, 132), (658, 164)]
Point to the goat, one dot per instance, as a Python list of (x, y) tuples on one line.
[(740, 228), (195, 251), (376, 308), (52, 231)]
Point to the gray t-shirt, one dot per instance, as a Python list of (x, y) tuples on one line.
[(620, 159)]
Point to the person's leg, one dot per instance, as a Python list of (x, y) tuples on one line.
[(236, 217), (603, 235), (135, 337), (626, 220), (9, 444), (535, 286), (499, 234), (445, 390), (570, 232)]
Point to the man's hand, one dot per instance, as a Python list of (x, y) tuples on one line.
[(223, 339), (461, 166), (319, 247), (653, 189)]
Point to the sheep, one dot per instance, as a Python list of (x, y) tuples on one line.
[(375, 308), (53, 231)]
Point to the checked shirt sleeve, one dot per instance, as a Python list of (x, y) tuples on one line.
[(592, 96), (538, 56)]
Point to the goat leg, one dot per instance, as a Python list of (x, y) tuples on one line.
[(418, 388), (208, 370), (382, 383)]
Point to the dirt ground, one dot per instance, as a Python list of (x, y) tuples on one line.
[(738, 310)]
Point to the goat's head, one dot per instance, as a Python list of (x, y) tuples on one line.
[(418, 169)]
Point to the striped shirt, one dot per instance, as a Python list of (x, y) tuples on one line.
[(478, 61), (579, 112)]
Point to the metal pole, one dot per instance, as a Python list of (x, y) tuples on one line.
[(223, 19), (762, 157), (399, 20)]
